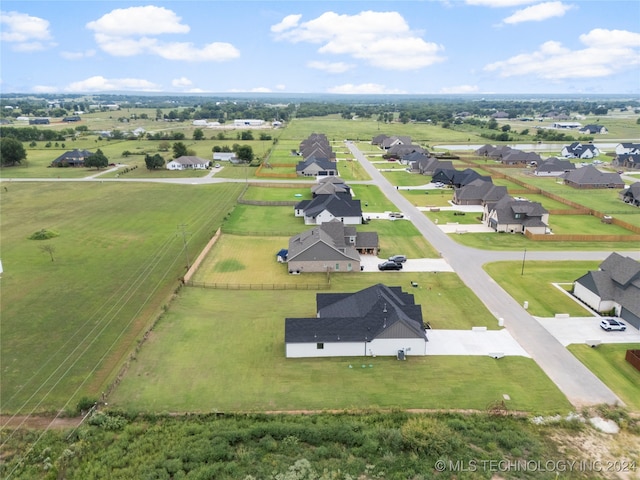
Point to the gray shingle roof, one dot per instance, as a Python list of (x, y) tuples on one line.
[(358, 317)]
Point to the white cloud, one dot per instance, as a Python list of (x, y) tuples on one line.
[(460, 89), (138, 21), (181, 82), (26, 33), (381, 39), (499, 3), (539, 12), (100, 84), (335, 67), (363, 88), (132, 31), (607, 52), (287, 22), (280, 86), (77, 55)]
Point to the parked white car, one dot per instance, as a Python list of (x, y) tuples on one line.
[(610, 324)]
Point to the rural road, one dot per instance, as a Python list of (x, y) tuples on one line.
[(580, 386)]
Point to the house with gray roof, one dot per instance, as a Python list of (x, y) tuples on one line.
[(631, 195), (314, 167), (72, 158), (627, 160), (389, 142), (593, 129), (554, 167), (478, 192), (330, 185), (628, 148), (398, 151), (330, 247), (187, 162), (516, 216), (324, 208), (615, 287), (590, 177), (457, 178), (376, 321), (580, 150)]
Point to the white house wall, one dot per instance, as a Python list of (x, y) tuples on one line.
[(592, 299), (386, 347)]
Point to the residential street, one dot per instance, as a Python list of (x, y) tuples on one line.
[(576, 381)]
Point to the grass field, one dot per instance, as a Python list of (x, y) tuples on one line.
[(608, 363), (204, 359), (535, 285), (68, 323)]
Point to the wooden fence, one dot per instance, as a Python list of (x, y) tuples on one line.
[(541, 237), (633, 357), (261, 286)]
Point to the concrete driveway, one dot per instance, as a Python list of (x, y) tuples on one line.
[(586, 329), (493, 343), (370, 264)]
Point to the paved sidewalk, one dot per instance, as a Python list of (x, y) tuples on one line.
[(582, 330)]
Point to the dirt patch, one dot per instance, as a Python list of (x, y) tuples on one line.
[(39, 423)]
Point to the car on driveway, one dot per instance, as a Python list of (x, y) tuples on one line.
[(610, 324), (398, 259), (389, 265)]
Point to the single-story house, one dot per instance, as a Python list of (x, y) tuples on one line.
[(376, 321), (566, 125), (628, 148), (478, 192), (188, 163), (627, 160), (516, 216), (594, 129), (553, 167), (330, 247), (591, 177), (72, 118), (388, 142), (429, 165), (631, 195), (224, 156), (324, 208), (330, 185), (72, 158), (515, 157), (580, 150), (248, 122), (457, 178), (314, 167), (400, 150), (615, 287)]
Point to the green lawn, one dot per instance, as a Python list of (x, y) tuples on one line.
[(608, 363), (535, 284), (277, 193), (67, 324), (266, 220), (506, 241), (204, 359), (372, 199), (432, 198), (406, 179)]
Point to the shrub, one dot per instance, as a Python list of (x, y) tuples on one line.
[(43, 234)]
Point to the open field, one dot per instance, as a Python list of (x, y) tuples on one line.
[(68, 323), (608, 363), (535, 284), (204, 359)]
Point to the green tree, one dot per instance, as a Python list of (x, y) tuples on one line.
[(97, 160), (492, 124), (506, 128), (246, 135), (164, 146), (154, 162), (179, 149), (11, 151), (244, 153), (198, 134)]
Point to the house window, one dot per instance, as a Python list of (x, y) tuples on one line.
[(518, 215), (337, 266), (319, 346), (349, 268)]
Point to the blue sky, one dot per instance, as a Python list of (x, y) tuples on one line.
[(363, 47)]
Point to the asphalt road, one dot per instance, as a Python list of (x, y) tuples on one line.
[(579, 384)]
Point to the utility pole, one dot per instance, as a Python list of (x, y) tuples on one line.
[(524, 255), (184, 241)]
